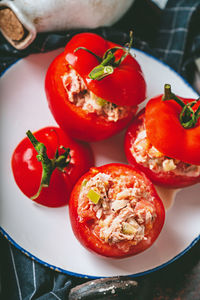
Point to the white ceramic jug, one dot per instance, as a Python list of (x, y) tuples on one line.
[(20, 20)]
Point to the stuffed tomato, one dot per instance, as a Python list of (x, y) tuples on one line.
[(47, 164), (164, 140), (115, 211), (93, 87)]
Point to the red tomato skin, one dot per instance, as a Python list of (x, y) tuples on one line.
[(168, 179), (27, 170), (162, 124), (126, 86), (73, 119), (82, 229)]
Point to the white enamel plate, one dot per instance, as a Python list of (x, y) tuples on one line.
[(45, 233)]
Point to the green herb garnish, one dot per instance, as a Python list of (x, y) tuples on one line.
[(93, 196)]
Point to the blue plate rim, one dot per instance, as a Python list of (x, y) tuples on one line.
[(139, 274)]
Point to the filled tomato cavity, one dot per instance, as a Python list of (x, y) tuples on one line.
[(120, 209), (79, 95), (148, 156)]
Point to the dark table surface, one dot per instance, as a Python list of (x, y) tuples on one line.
[(180, 279)]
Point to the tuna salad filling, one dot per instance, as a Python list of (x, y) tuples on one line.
[(122, 208), (147, 155), (80, 96)]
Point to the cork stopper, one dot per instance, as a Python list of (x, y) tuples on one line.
[(10, 26)]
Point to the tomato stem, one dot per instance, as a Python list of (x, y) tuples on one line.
[(108, 62), (188, 118), (48, 165), (100, 72), (129, 45), (168, 95)]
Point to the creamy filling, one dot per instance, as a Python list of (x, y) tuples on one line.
[(147, 155), (79, 95), (124, 212)]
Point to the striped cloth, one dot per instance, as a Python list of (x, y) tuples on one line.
[(178, 41), (172, 35), (24, 279)]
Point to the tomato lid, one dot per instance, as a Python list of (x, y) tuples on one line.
[(173, 127), (108, 69)]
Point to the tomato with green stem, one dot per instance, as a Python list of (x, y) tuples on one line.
[(108, 69), (108, 72), (164, 140), (173, 126), (47, 164)]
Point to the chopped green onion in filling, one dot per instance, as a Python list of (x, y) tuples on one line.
[(93, 196), (84, 183), (100, 101), (128, 228)]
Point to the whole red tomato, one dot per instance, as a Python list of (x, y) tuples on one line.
[(115, 211), (46, 168), (114, 76), (166, 151)]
